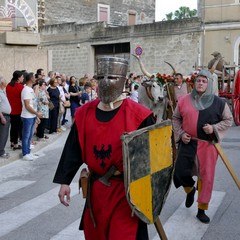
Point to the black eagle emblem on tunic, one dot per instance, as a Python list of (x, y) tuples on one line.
[(102, 154)]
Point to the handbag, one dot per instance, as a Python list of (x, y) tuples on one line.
[(50, 105), (67, 104), (61, 107)]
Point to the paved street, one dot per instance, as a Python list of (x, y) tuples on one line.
[(30, 210)]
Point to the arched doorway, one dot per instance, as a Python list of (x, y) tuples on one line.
[(237, 51), (22, 13)]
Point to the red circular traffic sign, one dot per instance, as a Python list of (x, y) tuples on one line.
[(138, 51)]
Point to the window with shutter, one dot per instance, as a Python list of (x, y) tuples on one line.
[(131, 18), (103, 13)]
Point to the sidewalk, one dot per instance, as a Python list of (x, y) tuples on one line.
[(17, 154)]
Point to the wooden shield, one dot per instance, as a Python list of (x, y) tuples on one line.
[(148, 167)]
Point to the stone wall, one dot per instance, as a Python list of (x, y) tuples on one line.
[(85, 11), (70, 48), (21, 58), (72, 45)]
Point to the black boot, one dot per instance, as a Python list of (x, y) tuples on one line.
[(202, 216), (190, 198)]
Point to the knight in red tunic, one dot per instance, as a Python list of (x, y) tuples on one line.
[(199, 118), (95, 140)]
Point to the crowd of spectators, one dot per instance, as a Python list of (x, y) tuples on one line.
[(132, 84), (39, 101), (51, 98)]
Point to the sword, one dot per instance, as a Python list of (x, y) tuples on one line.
[(110, 172), (227, 163), (160, 230)]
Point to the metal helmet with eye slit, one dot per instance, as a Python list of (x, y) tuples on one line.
[(111, 75)]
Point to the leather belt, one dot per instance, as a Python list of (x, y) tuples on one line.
[(116, 175), (111, 173)]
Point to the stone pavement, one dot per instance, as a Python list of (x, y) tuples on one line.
[(232, 136)]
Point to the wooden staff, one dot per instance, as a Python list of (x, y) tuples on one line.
[(169, 96), (224, 159), (227, 164), (160, 230)]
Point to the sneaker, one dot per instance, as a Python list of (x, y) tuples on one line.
[(33, 155), (32, 146), (41, 139), (63, 128), (27, 157), (5, 155)]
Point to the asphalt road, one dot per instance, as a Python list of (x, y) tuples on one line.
[(29, 207)]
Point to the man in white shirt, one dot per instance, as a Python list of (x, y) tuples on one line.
[(175, 90), (64, 78), (5, 110), (134, 94), (50, 75), (29, 115)]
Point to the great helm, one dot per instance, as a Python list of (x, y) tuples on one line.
[(111, 73)]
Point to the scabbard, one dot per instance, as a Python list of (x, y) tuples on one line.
[(83, 182), (88, 199)]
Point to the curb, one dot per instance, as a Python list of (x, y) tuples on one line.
[(17, 154)]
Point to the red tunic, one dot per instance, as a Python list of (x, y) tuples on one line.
[(193, 121), (100, 140), (101, 147), (14, 97)]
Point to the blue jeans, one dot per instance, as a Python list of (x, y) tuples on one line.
[(28, 130)]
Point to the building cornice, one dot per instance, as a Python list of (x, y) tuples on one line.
[(222, 5), (221, 26)]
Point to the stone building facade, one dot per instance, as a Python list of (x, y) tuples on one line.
[(221, 29), (116, 13), (73, 36), (75, 47)]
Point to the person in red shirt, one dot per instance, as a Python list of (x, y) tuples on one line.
[(94, 139), (13, 91)]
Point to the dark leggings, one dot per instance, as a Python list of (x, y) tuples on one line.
[(16, 128), (41, 127), (53, 118)]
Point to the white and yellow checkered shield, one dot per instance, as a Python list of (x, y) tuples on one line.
[(148, 167)]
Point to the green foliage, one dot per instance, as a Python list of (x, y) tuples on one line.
[(181, 13)]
